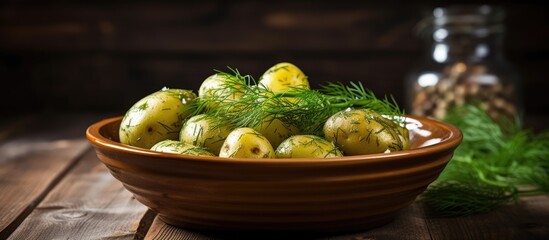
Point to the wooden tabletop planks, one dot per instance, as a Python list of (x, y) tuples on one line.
[(527, 220), (32, 162), (407, 225), (87, 202)]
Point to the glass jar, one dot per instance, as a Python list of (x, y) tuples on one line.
[(464, 63)]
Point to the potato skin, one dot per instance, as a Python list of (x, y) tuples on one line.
[(172, 146), (213, 87), (275, 130), (307, 146), (283, 77), (156, 117), (362, 131), (246, 143), (205, 131)]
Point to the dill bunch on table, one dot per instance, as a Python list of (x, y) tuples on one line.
[(496, 164)]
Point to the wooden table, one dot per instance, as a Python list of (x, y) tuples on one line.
[(52, 186)]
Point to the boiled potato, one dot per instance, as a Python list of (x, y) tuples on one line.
[(156, 117), (362, 131), (246, 143), (283, 77), (307, 146), (214, 88), (205, 131), (172, 146), (275, 130)]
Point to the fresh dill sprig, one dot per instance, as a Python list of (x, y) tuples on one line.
[(474, 198), (307, 109), (492, 166), (355, 95)]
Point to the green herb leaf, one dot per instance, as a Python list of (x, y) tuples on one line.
[(494, 164), (451, 199), (307, 109)]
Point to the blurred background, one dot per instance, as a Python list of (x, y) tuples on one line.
[(102, 56)]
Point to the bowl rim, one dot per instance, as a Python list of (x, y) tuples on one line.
[(448, 144)]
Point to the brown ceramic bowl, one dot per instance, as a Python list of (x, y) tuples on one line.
[(335, 194)]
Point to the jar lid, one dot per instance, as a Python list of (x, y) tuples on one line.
[(478, 20)]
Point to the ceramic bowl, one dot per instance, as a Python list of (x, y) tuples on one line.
[(335, 194)]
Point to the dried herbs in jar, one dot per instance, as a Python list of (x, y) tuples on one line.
[(464, 63)]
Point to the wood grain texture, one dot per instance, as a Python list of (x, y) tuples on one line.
[(238, 26), (66, 54), (87, 202), (528, 220), (208, 26), (114, 83), (32, 162), (10, 126), (409, 224)]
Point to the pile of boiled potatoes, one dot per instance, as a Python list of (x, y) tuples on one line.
[(159, 122)]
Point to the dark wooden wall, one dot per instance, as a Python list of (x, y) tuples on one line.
[(104, 56)]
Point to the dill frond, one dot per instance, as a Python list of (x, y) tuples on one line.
[(306, 108), (493, 165)]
